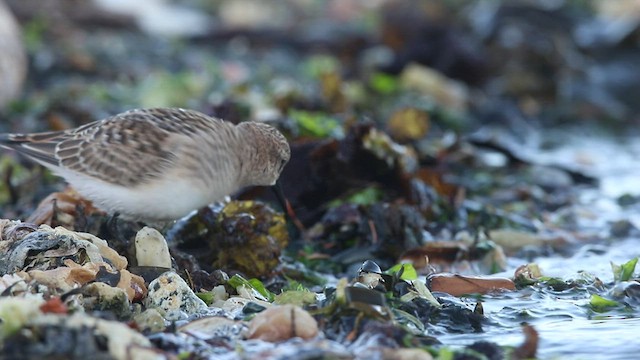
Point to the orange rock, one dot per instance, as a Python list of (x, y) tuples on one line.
[(458, 285), (54, 306), (280, 323)]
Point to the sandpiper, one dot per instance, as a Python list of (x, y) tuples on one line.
[(158, 164)]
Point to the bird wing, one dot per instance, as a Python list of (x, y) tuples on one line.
[(128, 149)]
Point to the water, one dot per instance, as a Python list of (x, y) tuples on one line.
[(567, 326)]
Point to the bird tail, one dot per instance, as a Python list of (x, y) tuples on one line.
[(7, 139), (38, 147)]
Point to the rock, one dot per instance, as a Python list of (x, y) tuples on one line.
[(12, 282), (458, 285), (408, 124), (214, 327), (46, 248), (152, 248), (446, 92), (284, 322), (150, 320), (16, 311), (78, 336), (159, 17), (170, 294), (64, 260), (102, 297)]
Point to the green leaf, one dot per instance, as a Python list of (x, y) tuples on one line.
[(625, 271), (254, 284), (422, 291), (207, 297), (408, 271), (367, 196), (598, 303), (320, 64), (294, 297), (316, 124), (384, 83)]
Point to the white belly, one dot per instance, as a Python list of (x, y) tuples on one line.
[(166, 199)]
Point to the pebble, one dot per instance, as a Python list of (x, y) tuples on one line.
[(171, 295), (152, 248)]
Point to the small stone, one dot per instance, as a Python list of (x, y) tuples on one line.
[(150, 320), (170, 294), (152, 249), (408, 124), (100, 296), (214, 327), (281, 323), (446, 92), (15, 312)]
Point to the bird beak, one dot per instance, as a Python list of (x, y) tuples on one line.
[(286, 206), (277, 190)]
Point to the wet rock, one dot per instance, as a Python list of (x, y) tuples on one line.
[(622, 228), (550, 177), (629, 290), (170, 294), (152, 248), (527, 274), (370, 274), (280, 323)]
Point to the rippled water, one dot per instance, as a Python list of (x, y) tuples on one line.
[(567, 326)]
